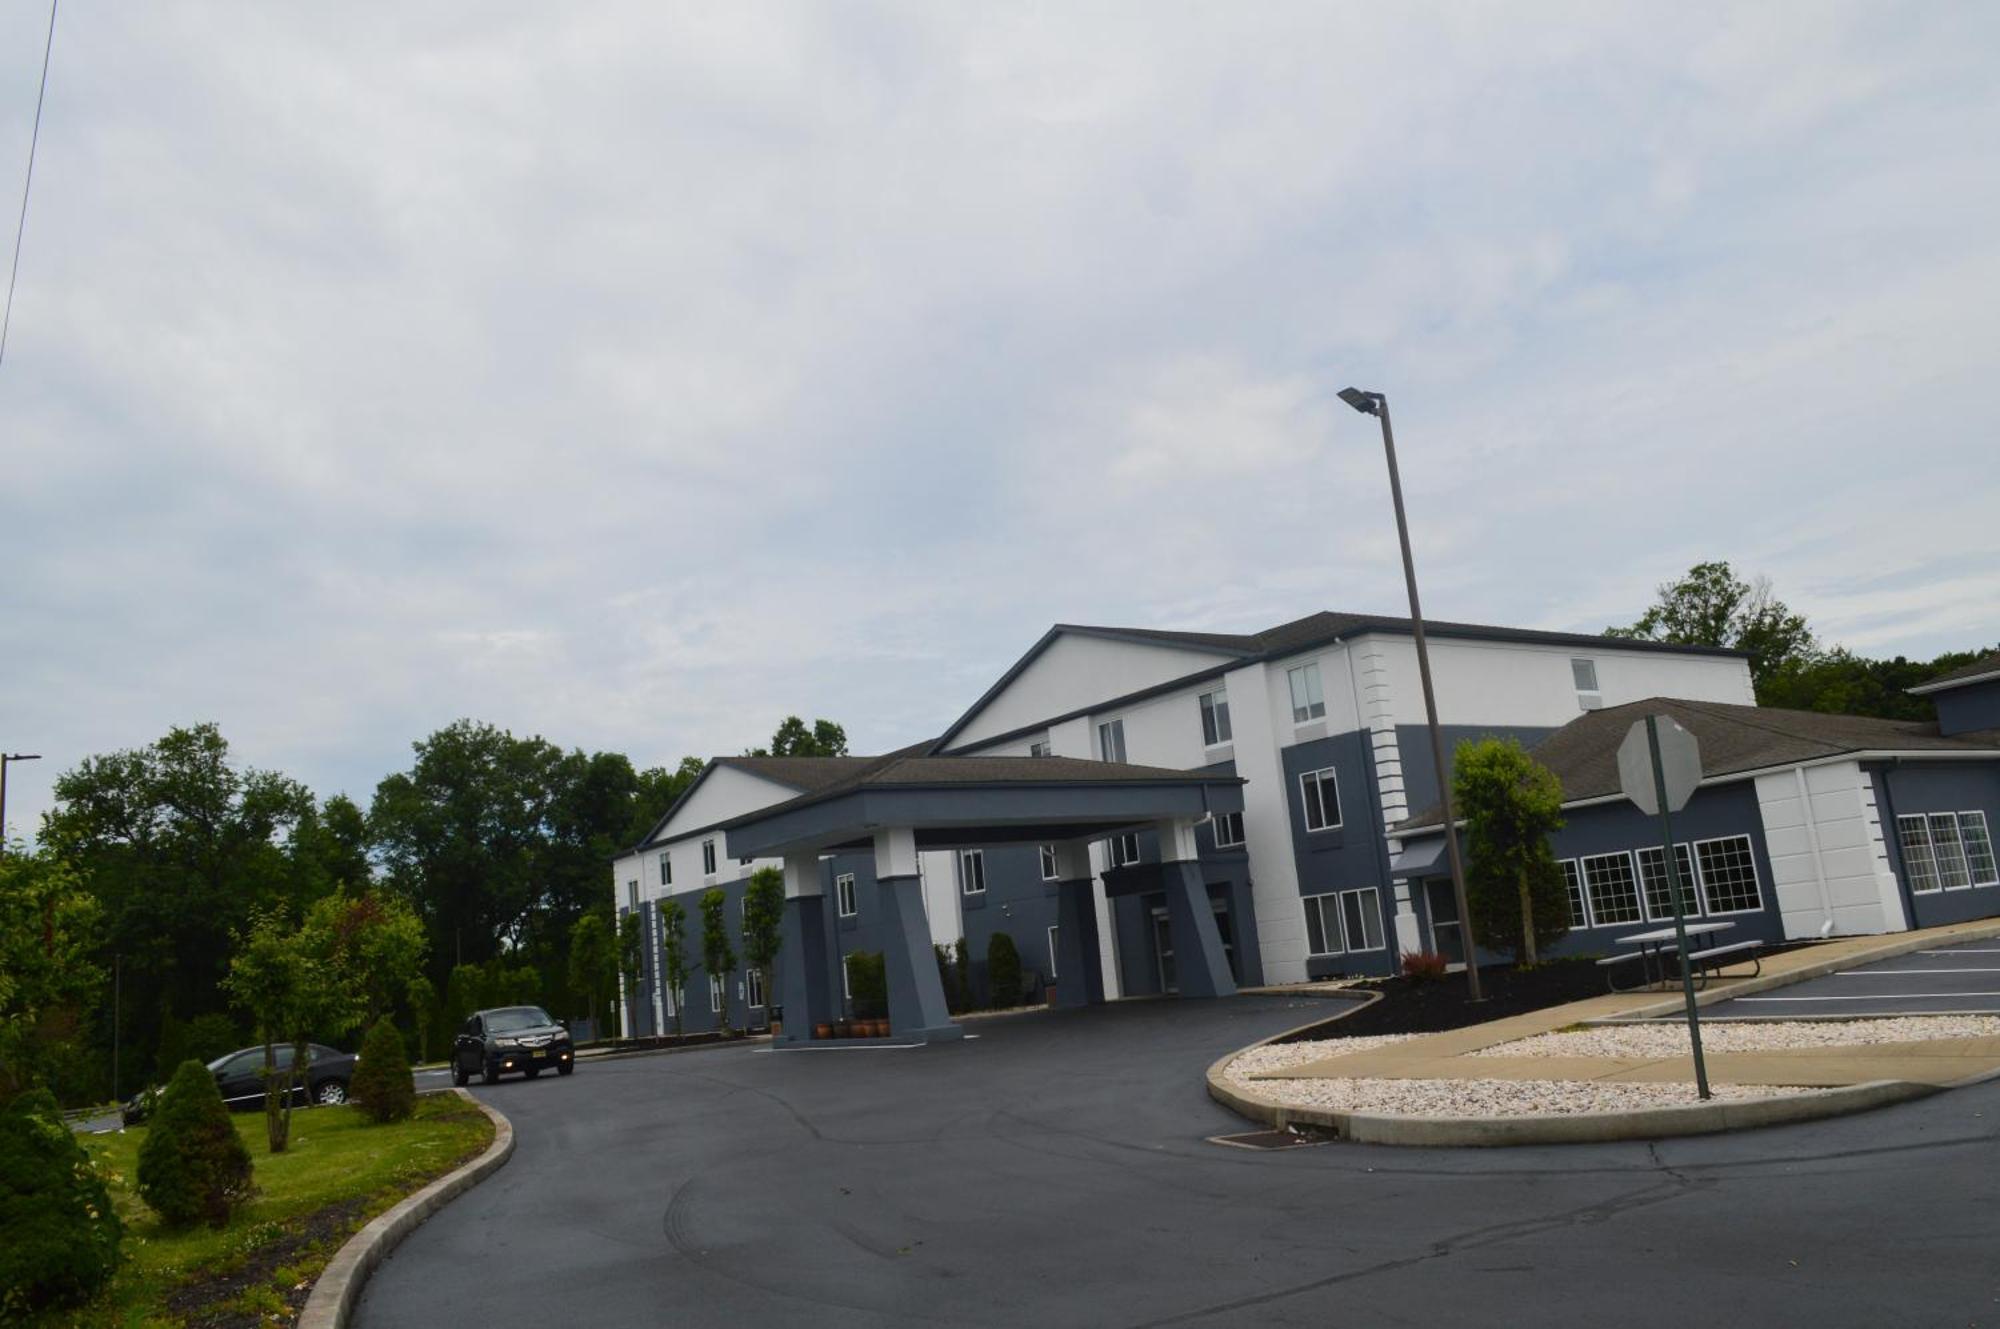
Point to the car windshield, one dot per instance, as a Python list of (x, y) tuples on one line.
[(516, 1017)]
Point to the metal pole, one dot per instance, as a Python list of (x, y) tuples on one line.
[(1431, 710), (1680, 914), (5, 758)]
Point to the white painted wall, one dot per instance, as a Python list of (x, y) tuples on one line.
[(1828, 862), (1267, 825), (1077, 671)]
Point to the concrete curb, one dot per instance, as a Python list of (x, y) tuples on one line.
[(339, 1285), (1904, 945)]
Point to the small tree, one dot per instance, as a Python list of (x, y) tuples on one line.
[(192, 1164), (717, 955), (593, 962), (764, 923), (382, 1083), (631, 948), (1003, 971), (422, 996), (1511, 804), (673, 954), (48, 925), (281, 975)]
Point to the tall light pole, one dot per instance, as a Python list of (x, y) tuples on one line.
[(1375, 404), (5, 758)]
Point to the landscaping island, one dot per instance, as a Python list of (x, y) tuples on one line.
[(339, 1171)]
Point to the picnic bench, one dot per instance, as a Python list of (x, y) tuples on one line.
[(1655, 949)]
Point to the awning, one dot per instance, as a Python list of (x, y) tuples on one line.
[(1418, 859)]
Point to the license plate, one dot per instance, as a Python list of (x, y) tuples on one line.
[(541, 1052)]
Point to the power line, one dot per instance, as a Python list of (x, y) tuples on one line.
[(21, 226)]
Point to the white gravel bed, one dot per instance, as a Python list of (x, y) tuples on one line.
[(1668, 1040), (1494, 1098), (1283, 1056)]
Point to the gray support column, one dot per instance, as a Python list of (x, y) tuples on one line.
[(916, 995), (806, 983), (1199, 961), (1079, 965)]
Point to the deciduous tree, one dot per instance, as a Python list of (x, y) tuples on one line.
[(764, 922), (1712, 606), (673, 954), (717, 955), (1511, 804)]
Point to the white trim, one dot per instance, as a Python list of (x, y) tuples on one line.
[(1052, 948), (1946, 685), (1582, 892), (1756, 879)]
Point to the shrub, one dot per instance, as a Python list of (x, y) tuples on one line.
[(868, 980), (59, 1233), (382, 1083), (192, 1165), (1003, 970), (1424, 966)]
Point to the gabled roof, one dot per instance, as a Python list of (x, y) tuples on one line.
[(798, 773), (1318, 629), (1734, 740), (1982, 670)]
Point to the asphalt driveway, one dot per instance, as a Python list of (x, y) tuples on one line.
[(1947, 980), (1054, 1172)]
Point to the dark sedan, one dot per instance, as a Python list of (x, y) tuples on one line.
[(511, 1038), (239, 1076)]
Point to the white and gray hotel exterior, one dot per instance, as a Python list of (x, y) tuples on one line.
[(1146, 811)]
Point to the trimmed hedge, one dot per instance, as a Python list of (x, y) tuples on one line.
[(59, 1233), (1003, 971), (382, 1085), (192, 1165)]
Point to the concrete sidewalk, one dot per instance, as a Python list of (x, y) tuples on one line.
[(1447, 1056)]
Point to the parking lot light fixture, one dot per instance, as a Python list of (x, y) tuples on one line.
[(6, 758)]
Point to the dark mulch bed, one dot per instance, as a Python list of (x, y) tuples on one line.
[(209, 1302)]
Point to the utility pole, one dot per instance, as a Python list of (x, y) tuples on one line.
[(5, 759)]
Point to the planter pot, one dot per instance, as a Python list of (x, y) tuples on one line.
[(881, 1029), (824, 1029), (843, 1029)]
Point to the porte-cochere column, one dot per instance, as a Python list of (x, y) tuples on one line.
[(1079, 962), (917, 1008), (1199, 960), (806, 985)]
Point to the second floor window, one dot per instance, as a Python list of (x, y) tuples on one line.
[(1308, 702), (708, 857), (1320, 793), (1125, 849), (972, 871), (1039, 748), (1048, 862), (666, 869), (1111, 740), (1228, 829), (843, 894), (1215, 718)]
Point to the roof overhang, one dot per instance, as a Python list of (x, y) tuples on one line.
[(1950, 684), (950, 814)]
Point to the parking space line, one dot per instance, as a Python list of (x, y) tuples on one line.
[(1884, 973), (1968, 950), (1879, 996)]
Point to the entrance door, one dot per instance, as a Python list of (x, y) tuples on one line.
[(1163, 950), (1447, 937), (1228, 932)]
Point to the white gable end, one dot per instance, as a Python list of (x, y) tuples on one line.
[(1078, 671), (726, 792)]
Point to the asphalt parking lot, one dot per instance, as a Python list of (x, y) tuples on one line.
[(1054, 1172), (1953, 980)]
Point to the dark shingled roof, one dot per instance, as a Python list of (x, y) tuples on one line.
[(1980, 668), (1584, 753), (801, 773), (1326, 626)]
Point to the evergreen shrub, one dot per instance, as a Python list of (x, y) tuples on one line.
[(192, 1164), (59, 1232)]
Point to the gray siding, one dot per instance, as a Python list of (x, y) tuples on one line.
[(1908, 787), (1420, 784), (1963, 710)]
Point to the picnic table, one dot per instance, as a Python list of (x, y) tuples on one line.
[(1656, 946)]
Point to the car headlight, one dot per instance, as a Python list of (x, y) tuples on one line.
[(506, 1042)]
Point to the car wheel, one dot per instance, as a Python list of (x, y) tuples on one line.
[(330, 1093), (565, 1067), (489, 1074), (458, 1075)]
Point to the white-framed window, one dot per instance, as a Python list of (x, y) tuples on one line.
[(1653, 883), (1946, 851), (1215, 718), (1319, 794), (753, 988), (708, 857), (1048, 862), (1308, 702), (675, 999), (631, 895), (972, 871), (1614, 890), (1039, 748), (1125, 849), (745, 861), (1728, 875), (715, 994), (843, 895), (1228, 830), (1978, 848), (666, 869), (1579, 908), (1344, 921), (1111, 741), (1584, 672), (1052, 951)]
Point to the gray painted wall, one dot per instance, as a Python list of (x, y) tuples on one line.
[(1352, 856), (1963, 710), (1907, 787), (1420, 785)]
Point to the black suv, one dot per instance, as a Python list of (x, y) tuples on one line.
[(240, 1078), (511, 1038)]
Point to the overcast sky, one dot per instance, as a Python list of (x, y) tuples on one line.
[(638, 374)]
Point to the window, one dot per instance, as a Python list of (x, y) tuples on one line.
[(1228, 830), (708, 857), (1048, 862), (666, 869), (744, 862), (1946, 850), (1614, 893), (846, 978), (1039, 748), (1308, 703), (631, 895), (714, 994), (1344, 920), (1111, 740), (1653, 878), (1320, 792), (972, 871), (753, 987), (1215, 718), (1125, 849), (1728, 875), (1585, 674), (1579, 912), (1052, 952), (843, 894)]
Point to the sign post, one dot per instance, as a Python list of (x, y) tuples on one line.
[(1659, 765)]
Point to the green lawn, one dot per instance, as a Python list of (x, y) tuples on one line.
[(340, 1171)]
